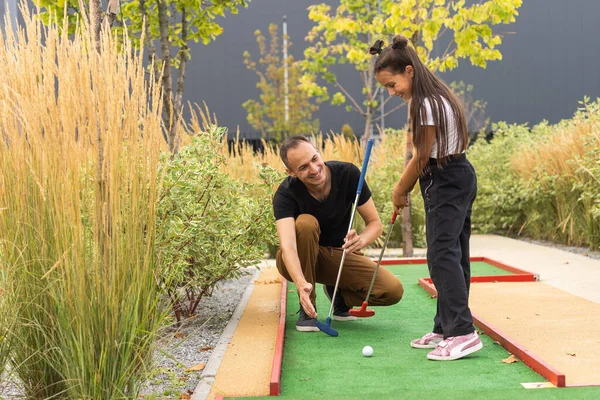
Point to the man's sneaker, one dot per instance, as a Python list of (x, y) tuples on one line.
[(456, 347), (306, 323), (340, 309), (429, 341)]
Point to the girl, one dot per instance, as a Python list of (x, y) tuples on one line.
[(448, 186)]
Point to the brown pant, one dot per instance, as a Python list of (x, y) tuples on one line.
[(321, 264)]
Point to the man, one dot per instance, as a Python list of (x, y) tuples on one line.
[(313, 206)]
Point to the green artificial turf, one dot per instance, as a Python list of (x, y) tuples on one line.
[(479, 268), (318, 366)]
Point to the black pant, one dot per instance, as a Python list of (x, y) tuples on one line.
[(448, 194)]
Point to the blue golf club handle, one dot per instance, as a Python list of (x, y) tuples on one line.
[(364, 166)]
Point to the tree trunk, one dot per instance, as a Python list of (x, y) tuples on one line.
[(180, 83), (407, 244), (96, 22), (148, 40), (167, 83)]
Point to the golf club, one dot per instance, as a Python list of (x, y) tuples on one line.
[(326, 326), (362, 311)]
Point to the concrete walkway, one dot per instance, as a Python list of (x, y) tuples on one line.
[(573, 273)]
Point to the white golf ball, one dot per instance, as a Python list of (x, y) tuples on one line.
[(367, 351)]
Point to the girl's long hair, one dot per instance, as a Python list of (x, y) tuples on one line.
[(395, 58)]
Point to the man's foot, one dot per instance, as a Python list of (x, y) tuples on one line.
[(340, 309), (456, 347), (429, 341), (306, 323)]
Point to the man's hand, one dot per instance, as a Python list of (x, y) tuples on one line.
[(399, 198), (304, 290), (353, 242)]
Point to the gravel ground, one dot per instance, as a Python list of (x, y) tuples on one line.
[(179, 349), (192, 344)]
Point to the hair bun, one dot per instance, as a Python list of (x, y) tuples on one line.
[(376, 48), (399, 42)]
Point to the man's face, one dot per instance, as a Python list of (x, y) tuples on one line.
[(306, 164)]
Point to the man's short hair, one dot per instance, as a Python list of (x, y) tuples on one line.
[(291, 143)]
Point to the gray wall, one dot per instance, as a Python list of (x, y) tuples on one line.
[(216, 73), (8, 5), (548, 65)]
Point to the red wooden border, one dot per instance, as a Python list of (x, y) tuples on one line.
[(535, 363), (518, 275), (499, 278), (502, 265), (504, 278), (275, 384), (403, 261)]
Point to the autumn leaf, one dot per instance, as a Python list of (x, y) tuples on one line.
[(205, 348), (179, 335), (185, 396), (198, 367), (511, 359)]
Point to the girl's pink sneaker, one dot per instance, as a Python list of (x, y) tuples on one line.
[(429, 341), (453, 348)]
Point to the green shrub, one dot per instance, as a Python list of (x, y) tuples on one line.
[(210, 225), (543, 182), (500, 203)]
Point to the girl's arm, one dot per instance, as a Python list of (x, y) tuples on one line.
[(412, 171)]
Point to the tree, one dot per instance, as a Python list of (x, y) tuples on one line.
[(174, 23), (474, 109), (344, 36), (268, 114)]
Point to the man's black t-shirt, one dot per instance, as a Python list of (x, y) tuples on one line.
[(292, 199)]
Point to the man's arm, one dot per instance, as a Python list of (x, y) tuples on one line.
[(286, 230), (373, 228)]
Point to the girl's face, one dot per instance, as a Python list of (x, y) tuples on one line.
[(397, 84)]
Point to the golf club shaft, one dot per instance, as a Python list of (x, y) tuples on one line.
[(358, 191), (337, 281), (387, 239)]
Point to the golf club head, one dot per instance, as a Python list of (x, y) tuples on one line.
[(362, 312), (326, 327)]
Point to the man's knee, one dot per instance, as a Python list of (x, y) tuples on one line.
[(307, 224), (396, 291), (392, 292)]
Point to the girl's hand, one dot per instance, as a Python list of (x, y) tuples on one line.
[(399, 198)]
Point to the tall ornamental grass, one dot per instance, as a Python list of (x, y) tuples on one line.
[(80, 141), (542, 182), (6, 319), (560, 171)]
